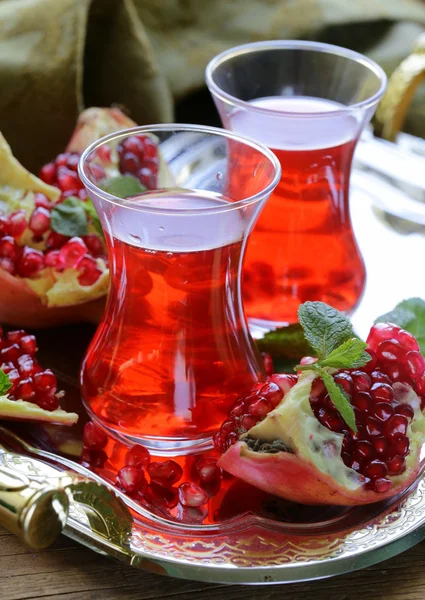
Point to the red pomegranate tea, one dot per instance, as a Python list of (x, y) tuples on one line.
[(173, 351), (302, 247)]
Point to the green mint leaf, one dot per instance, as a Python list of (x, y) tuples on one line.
[(285, 343), (123, 186), (69, 218), (325, 328), (349, 355), (91, 211), (410, 315), (339, 399), (5, 384)]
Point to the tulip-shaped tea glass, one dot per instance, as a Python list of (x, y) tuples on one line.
[(173, 350), (309, 103)]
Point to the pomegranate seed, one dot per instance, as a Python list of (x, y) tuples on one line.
[(396, 465), (238, 409), (192, 514), (163, 497), (82, 194), (390, 350), (8, 265), (414, 364), (381, 446), (208, 471), (129, 163), (45, 381), (88, 271), (72, 252), (232, 438), (308, 360), (396, 424), (407, 340), (374, 427), (404, 409), (93, 458), (10, 353), (372, 362), (147, 178), (94, 245), (380, 486), (165, 473), (220, 441), (268, 363), (248, 421), (382, 392), (420, 385), (30, 263), (28, 344), (135, 145), (61, 159), (363, 450), (104, 153), (55, 240), (17, 223), (152, 165), (376, 469), (72, 161), (39, 221), (150, 148), (4, 225), (355, 464), (331, 420), (192, 495), (6, 367), (400, 444), (394, 371), (93, 437), (15, 336), (8, 247), (48, 173), (14, 379), (42, 201), (380, 332), (25, 390), (260, 408), (47, 401), (272, 392), (383, 411), (363, 401), (286, 382), (361, 381), (228, 426), (345, 381), (26, 365), (138, 456), (97, 171), (379, 377), (131, 480), (68, 180), (53, 259)]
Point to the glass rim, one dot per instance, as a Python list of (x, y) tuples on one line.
[(252, 47), (171, 127)]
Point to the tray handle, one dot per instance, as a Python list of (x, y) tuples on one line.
[(402, 85)]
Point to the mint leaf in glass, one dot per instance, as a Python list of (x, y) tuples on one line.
[(123, 186), (325, 328), (410, 315), (69, 218)]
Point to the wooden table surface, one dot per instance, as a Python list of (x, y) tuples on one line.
[(67, 571)]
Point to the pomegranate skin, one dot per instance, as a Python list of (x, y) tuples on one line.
[(293, 478), (94, 123)]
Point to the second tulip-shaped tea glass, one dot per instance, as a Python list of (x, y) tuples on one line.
[(173, 351), (309, 102)]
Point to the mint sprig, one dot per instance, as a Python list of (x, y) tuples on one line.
[(5, 384), (70, 217), (331, 336)]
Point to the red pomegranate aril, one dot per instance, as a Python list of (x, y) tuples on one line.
[(14, 379), (260, 408), (129, 163), (47, 401), (383, 411), (48, 173), (272, 392), (308, 360), (93, 437), (68, 180), (94, 244), (396, 465), (8, 247), (192, 514), (363, 401), (72, 252), (208, 471), (25, 390), (88, 270), (28, 344), (6, 367), (345, 381), (135, 145), (150, 149), (389, 350), (55, 240), (375, 469), (355, 464), (97, 171), (414, 364), (407, 340), (381, 485), (396, 424), (404, 409), (374, 427), (131, 480), (361, 381), (394, 371), (380, 332), (147, 178), (286, 382), (379, 377), (8, 265), (138, 456), (17, 223), (165, 473), (152, 164), (45, 381), (228, 426), (382, 392), (39, 221), (360, 418), (381, 447), (330, 419), (42, 201), (26, 365), (268, 363), (400, 444), (15, 336), (162, 497), (192, 495), (82, 194), (238, 409), (372, 362), (10, 353), (104, 153), (232, 438), (220, 441), (53, 259), (30, 263), (247, 421), (363, 450), (62, 159)]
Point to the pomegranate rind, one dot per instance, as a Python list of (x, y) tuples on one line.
[(312, 471), (20, 410), (94, 123)]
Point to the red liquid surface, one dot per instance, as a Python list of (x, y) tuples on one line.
[(302, 247), (173, 351)]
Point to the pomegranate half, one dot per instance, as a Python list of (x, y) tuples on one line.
[(286, 437)]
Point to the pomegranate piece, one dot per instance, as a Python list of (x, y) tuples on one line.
[(16, 223), (208, 471), (88, 270), (72, 252), (138, 456), (30, 263), (8, 248), (93, 437), (305, 452), (131, 480), (192, 495), (162, 497), (165, 473), (48, 173), (42, 201), (39, 221)]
